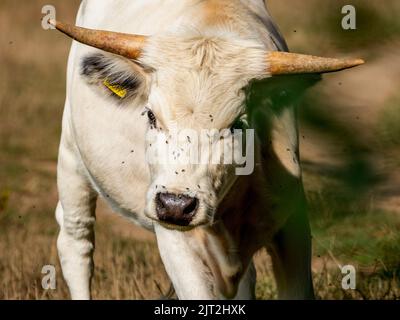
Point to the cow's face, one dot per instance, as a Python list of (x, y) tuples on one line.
[(195, 102), (193, 92)]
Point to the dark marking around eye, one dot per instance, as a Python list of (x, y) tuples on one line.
[(239, 124)]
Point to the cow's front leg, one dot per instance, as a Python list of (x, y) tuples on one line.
[(75, 216), (291, 256), (190, 277), (197, 273)]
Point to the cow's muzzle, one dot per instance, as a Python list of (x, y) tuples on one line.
[(176, 209)]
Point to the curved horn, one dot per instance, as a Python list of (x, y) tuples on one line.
[(280, 63), (123, 44)]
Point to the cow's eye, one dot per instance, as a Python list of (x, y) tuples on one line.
[(152, 118), (239, 124)]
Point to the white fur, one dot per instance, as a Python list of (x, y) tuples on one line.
[(194, 65)]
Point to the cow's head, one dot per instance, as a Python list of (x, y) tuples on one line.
[(193, 91)]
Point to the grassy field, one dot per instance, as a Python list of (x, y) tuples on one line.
[(350, 136)]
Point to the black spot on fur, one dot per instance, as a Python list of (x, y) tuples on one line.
[(93, 64)]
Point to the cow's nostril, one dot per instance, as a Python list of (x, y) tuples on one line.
[(191, 206), (176, 209)]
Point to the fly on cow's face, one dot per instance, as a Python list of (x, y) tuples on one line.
[(152, 119)]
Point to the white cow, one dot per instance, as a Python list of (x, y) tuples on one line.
[(167, 64)]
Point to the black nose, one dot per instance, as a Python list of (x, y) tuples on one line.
[(176, 209)]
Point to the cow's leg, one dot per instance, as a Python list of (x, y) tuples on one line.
[(75, 216), (291, 256), (190, 277)]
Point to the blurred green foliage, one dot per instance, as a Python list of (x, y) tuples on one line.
[(389, 123)]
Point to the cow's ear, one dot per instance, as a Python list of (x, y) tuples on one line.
[(117, 77)]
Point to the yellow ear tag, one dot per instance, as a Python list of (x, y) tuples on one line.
[(116, 89)]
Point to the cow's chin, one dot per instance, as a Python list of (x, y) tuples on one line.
[(177, 227), (180, 228)]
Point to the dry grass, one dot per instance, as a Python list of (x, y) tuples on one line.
[(32, 90)]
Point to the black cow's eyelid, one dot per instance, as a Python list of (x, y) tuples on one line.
[(240, 124)]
